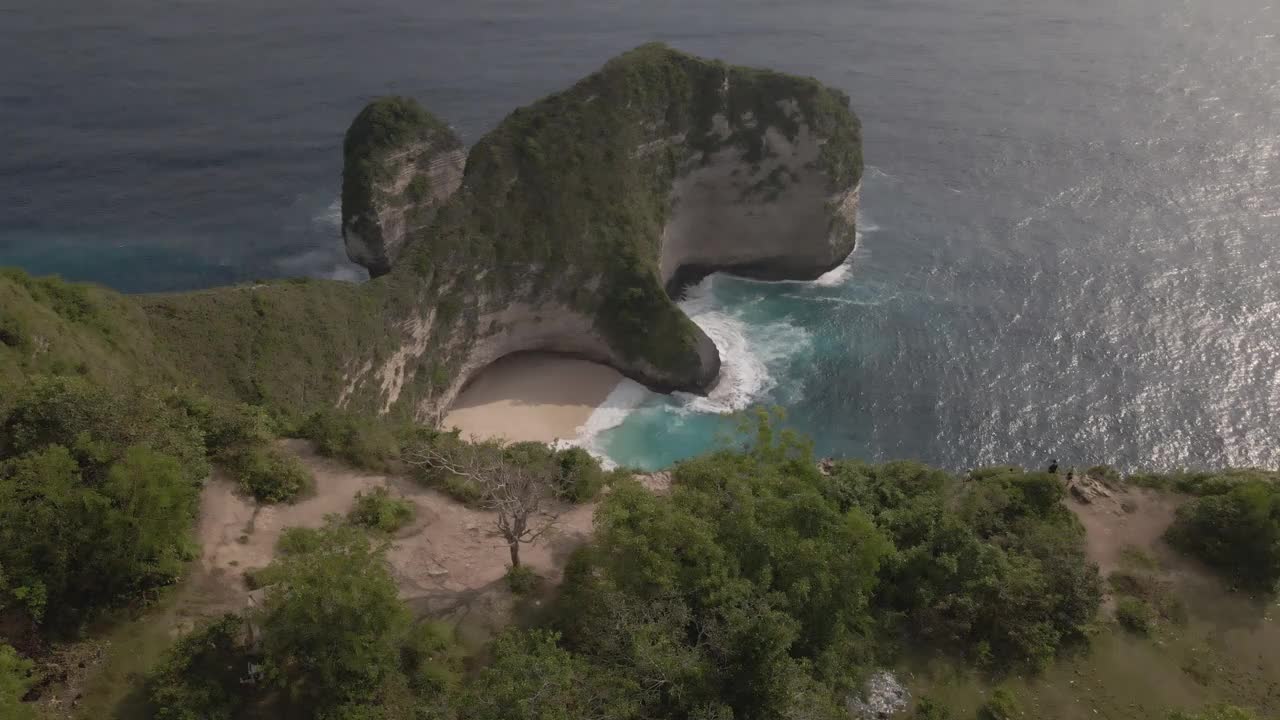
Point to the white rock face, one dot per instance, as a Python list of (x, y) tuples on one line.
[(885, 697), (775, 219), (425, 175)]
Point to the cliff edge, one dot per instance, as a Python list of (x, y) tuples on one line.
[(572, 227), (580, 218)]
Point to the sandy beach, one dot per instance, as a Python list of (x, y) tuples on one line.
[(531, 396)]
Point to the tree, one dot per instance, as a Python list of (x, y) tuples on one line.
[(533, 678), (1236, 531), (513, 482), (332, 622), (69, 546), (15, 681), (200, 676)]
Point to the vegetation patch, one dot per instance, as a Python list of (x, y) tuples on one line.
[(269, 474), (1234, 527), (1135, 615), (355, 439), (379, 510)]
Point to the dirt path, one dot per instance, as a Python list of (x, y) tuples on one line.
[(1112, 531), (449, 553)]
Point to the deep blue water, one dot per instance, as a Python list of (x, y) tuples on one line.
[(1072, 207)]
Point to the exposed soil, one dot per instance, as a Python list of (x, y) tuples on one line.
[(448, 556), (1110, 529)]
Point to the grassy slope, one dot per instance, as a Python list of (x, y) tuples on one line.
[(1228, 651), (48, 326)]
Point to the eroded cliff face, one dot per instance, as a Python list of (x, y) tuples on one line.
[(400, 165), (580, 218), (780, 218)]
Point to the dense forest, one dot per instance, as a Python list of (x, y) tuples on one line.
[(765, 584)]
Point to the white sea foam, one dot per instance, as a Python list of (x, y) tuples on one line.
[(837, 275), (746, 352), (625, 397), (331, 217)]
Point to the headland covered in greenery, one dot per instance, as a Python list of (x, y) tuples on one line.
[(754, 582)]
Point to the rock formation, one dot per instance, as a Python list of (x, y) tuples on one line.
[(581, 217), (571, 228), (400, 165)]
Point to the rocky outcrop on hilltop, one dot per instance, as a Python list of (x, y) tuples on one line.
[(400, 165), (580, 218)]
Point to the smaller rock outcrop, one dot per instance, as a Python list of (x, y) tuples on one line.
[(401, 164)]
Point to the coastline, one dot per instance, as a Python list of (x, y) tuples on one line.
[(539, 397)]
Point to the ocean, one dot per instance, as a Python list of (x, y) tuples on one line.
[(1070, 210)]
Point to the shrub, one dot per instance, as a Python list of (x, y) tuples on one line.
[(269, 475), (12, 332), (1236, 531), (70, 546), (929, 709), (1151, 589), (1105, 473), (579, 477), (1002, 705), (461, 489), (298, 540), (430, 658), (1134, 615), (521, 579), (199, 678), (15, 680), (378, 510), (364, 443), (332, 621)]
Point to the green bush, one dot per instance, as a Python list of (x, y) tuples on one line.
[(1135, 615), (431, 659), (298, 540), (70, 547), (332, 622), (364, 443), (270, 475), (521, 579), (378, 510), (1156, 592), (12, 333), (930, 709), (1236, 530), (1002, 705), (16, 678), (579, 477), (199, 678)]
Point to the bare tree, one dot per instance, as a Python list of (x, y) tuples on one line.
[(513, 490)]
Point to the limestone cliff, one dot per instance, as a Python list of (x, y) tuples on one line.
[(580, 217), (400, 164), (573, 225)]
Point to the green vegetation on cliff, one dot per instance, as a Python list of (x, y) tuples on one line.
[(579, 183), (385, 127), (562, 205)]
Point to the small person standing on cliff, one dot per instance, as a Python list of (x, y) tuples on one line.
[(1053, 466)]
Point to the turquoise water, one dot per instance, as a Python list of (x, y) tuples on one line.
[(1070, 210)]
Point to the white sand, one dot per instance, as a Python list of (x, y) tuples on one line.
[(531, 396)]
